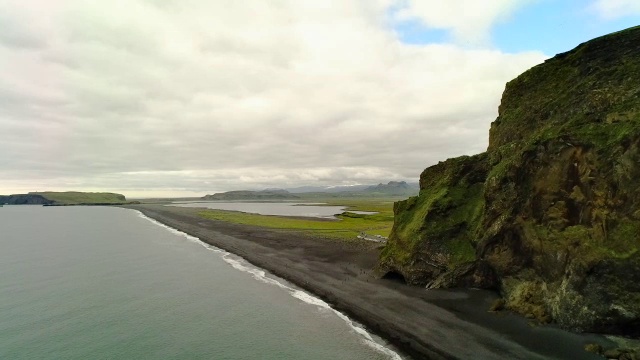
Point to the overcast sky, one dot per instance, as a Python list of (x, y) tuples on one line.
[(188, 97)]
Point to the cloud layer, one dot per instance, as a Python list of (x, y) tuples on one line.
[(186, 95), (469, 21), (613, 9)]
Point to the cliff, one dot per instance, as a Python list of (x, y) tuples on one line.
[(550, 214)]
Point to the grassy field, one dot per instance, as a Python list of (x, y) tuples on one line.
[(348, 227)]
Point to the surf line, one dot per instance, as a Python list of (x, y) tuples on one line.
[(239, 263)]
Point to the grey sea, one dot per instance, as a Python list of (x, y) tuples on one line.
[(108, 283)]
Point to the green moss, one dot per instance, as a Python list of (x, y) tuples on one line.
[(624, 239), (462, 251), (603, 136), (577, 235), (410, 223), (440, 223), (409, 220), (568, 92)]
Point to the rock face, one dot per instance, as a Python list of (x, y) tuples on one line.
[(24, 199), (550, 213)]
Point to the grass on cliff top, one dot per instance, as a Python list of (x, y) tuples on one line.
[(347, 228), (74, 197)]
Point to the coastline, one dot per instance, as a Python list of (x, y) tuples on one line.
[(432, 324), (264, 276)]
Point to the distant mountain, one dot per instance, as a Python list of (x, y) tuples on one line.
[(274, 194), (393, 188), (328, 189), (390, 188)]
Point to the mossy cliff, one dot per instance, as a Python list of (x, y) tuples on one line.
[(550, 213)]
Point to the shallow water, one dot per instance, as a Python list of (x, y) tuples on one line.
[(274, 208), (98, 282)]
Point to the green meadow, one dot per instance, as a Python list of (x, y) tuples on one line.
[(347, 227)]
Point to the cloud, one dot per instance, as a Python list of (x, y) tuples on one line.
[(469, 21), (147, 96), (17, 29), (614, 9)]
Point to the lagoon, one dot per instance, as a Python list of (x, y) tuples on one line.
[(274, 208)]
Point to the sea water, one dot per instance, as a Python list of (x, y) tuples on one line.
[(109, 283)]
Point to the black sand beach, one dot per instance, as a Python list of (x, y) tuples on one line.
[(425, 324)]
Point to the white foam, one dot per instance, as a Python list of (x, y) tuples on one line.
[(241, 264)]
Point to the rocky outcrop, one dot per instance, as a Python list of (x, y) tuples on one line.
[(24, 199), (550, 213), (433, 233)]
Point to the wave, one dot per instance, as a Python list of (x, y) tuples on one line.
[(259, 274)]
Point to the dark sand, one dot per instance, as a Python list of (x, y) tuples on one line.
[(425, 324)]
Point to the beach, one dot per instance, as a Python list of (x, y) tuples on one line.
[(424, 324)]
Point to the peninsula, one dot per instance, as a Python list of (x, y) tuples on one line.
[(52, 198)]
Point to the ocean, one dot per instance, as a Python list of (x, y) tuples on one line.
[(109, 283)]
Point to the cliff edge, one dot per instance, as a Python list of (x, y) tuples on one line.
[(549, 215)]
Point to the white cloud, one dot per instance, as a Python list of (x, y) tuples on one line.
[(470, 21), (614, 9), (189, 95)]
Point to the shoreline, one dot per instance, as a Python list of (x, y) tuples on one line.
[(263, 275), (433, 324)]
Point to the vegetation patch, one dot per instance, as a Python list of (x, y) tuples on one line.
[(439, 225), (347, 227)]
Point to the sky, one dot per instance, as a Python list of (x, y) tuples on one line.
[(154, 98)]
